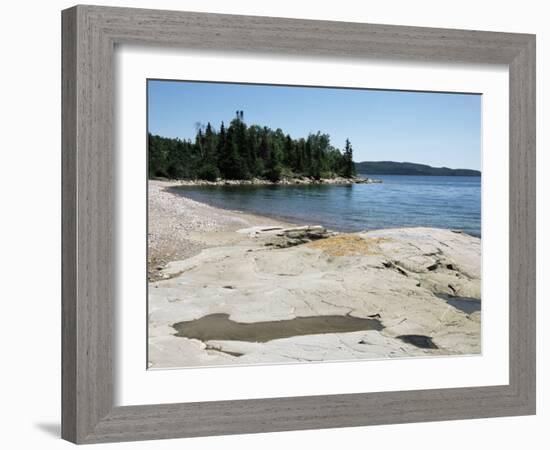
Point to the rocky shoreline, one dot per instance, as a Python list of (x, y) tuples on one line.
[(376, 294), (179, 228), (284, 181)]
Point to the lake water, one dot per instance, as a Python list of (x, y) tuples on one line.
[(400, 201)]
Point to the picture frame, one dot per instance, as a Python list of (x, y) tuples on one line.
[(90, 34)]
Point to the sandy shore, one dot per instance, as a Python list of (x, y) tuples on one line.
[(179, 228), (233, 288)]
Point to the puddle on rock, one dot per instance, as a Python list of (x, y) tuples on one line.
[(467, 305), (218, 327), (418, 340)]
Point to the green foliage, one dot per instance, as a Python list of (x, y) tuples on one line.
[(208, 172), (243, 152), (348, 169)]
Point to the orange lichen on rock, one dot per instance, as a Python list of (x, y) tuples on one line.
[(347, 245)]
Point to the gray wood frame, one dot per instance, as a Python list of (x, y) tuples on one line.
[(89, 36)]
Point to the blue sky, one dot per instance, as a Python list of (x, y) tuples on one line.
[(429, 128)]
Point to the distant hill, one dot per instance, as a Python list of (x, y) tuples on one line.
[(407, 168)]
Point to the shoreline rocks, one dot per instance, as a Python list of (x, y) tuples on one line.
[(284, 237), (284, 181)]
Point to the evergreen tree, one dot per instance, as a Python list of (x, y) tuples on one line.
[(238, 127), (220, 147), (209, 144), (289, 152), (349, 165), (230, 163), (208, 169), (274, 168)]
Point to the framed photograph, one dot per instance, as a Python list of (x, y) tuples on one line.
[(278, 224)]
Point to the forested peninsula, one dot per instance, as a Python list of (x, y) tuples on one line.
[(245, 152), (407, 168)]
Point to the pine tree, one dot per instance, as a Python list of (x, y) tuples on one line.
[(209, 153), (245, 157), (289, 152), (230, 161), (220, 147), (349, 165), (274, 167)]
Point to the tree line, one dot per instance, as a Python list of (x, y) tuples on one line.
[(241, 152)]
